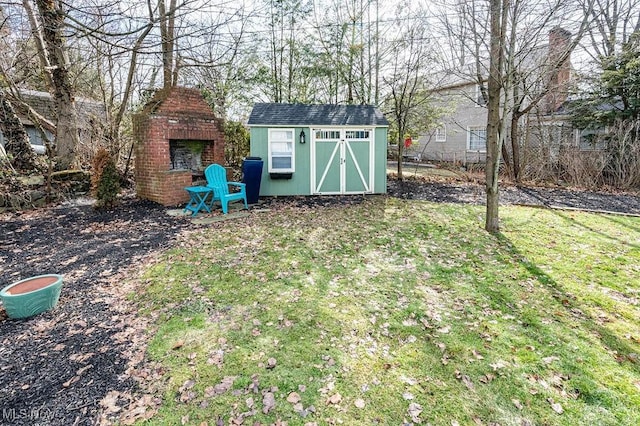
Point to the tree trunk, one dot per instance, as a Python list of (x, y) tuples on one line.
[(16, 138), (167, 34), (400, 153), (515, 147), (506, 159), (67, 139), (498, 12), (40, 47)]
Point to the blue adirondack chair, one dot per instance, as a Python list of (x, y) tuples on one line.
[(216, 176)]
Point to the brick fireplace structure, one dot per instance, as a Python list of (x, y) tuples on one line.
[(176, 137)]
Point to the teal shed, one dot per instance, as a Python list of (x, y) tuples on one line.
[(320, 149)]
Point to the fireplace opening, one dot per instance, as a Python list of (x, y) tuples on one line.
[(186, 155)]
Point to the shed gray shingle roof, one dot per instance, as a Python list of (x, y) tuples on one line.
[(316, 115)]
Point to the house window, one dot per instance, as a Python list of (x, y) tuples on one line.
[(441, 133), (281, 151), (591, 139), (480, 100), (477, 138)]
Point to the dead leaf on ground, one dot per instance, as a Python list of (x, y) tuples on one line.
[(334, 399), (408, 380), (216, 358), (220, 388), (255, 384), (359, 403), (70, 381), (268, 402), (444, 330), (187, 396), (293, 398), (415, 410), (178, 344), (555, 406), (189, 384), (464, 379), (499, 364), (271, 363), (517, 404), (487, 378), (110, 402)]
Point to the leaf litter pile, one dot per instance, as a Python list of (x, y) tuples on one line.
[(65, 366)]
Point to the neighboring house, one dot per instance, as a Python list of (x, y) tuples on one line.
[(320, 149), (554, 131), (91, 119), (461, 136)]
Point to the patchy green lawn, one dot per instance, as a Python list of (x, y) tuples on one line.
[(398, 311)]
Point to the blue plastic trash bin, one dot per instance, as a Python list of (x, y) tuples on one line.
[(252, 176)]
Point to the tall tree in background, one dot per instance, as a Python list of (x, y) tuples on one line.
[(286, 35), (408, 87), (536, 66), (498, 15), (50, 23), (502, 47), (613, 24), (349, 46), (167, 22)]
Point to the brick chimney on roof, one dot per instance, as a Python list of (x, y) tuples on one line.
[(559, 69)]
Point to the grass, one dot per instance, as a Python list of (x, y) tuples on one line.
[(398, 311)]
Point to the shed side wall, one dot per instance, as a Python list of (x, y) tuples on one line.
[(300, 182)]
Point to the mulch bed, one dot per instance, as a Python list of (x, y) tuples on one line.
[(56, 367), (473, 193)]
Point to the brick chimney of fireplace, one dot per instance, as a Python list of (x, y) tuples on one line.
[(176, 114)]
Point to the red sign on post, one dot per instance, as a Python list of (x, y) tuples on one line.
[(407, 142)]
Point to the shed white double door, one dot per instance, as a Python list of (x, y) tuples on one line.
[(342, 161)]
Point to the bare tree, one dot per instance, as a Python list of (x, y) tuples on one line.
[(408, 101), (50, 24), (504, 44), (613, 23), (349, 48)]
